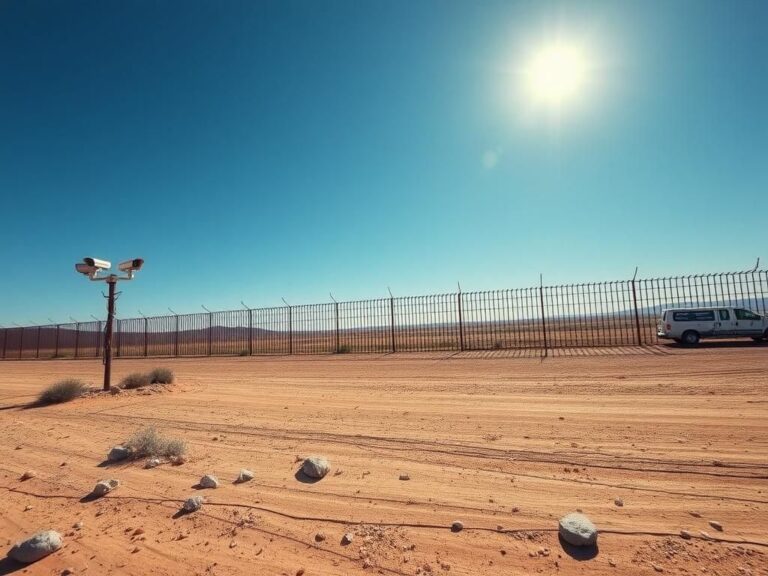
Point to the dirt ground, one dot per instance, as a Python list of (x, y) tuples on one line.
[(504, 443)]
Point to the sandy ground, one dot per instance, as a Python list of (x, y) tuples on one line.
[(504, 443)]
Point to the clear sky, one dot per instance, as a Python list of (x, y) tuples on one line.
[(264, 149)]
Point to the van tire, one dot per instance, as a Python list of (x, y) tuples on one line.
[(690, 338)]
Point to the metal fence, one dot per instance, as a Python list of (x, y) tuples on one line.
[(619, 313)]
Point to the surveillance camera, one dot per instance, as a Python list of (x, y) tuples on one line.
[(100, 264), (129, 265), (86, 269)]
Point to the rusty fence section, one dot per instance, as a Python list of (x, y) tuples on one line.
[(618, 313)]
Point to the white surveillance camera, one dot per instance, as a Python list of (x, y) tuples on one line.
[(131, 265), (100, 264), (86, 269)]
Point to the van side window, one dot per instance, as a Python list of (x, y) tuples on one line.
[(694, 316), (724, 315), (742, 314)]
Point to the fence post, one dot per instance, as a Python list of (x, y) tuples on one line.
[(37, 354), (5, 338), (392, 322), (98, 338), (176, 338), (77, 338), (461, 320), (210, 332), (146, 326), (637, 314), (250, 332), (119, 337), (543, 316), (336, 310), (56, 349)]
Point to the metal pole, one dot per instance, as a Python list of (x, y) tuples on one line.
[(56, 352), (21, 342), (461, 320), (37, 354), (392, 321), (250, 328), (77, 338), (543, 317), (210, 332), (637, 314), (290, 327), (108, 334)]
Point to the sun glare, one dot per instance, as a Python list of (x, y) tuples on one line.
[(556, 74)]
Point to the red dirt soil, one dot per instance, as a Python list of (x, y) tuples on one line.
[(505, 445)]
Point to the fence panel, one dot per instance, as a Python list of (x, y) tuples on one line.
[(616, 313)]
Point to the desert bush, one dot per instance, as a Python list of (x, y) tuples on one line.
[(161, 376), (343, 349), (62, 391), (147, 442), (244, 353), (135, 380)]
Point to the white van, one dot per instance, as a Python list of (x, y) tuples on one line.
[(689, 325)]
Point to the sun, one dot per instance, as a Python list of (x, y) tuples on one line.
[(556, 74)]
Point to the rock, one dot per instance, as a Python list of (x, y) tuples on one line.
[(716, 525), (685, 535), (178, 460), (27, 475), (118, 453), (457, 526), (192, 504), (104, 487), (78, 525), (578, 530), (152, 463), (619, 502), (209, 481), (244, 476), (404, 477), (319, 537), (315, 467), (36, 547), (115, 390), (347, 538), (67, 572)]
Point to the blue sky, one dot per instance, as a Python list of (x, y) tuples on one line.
[(259, 150)]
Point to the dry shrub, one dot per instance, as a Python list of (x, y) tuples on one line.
[(161, 376), (62, 391), (148, 442), (135, 380)]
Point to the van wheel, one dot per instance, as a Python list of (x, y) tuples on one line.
[(690, 337)]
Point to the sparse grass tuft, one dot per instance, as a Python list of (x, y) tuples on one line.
[(343, 349), (135, 380), (148, 442), (161, 376), (62, 391)]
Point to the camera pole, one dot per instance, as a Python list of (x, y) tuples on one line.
[(112, 281)]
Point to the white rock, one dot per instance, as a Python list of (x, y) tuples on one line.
[(316, 467), (118, 453), (347, 538), (578, 530), (105, 486), (36, 547), (244, 476), (152, 463), (209, 481), (193, 504)]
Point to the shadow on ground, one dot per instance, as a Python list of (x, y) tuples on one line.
[(580, 553)]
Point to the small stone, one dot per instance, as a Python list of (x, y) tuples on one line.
[(244, 476), (118, 453), (135, 549), (104, 487), (319, 537), (36, 547), (316, 467), (347, 538), (232, 544), (27, 475), (612, 562), (657, 568), (619, 502), (457, 526), (716, 525), (78, 525), (209, 481), (67, 571), (138, 532), (193, 504), (695, 514), (178, 460), (718, 463), (300, 572), (404, 477), (27, 508), (115, 390), (578, 530), (685, 535), (152, 463)]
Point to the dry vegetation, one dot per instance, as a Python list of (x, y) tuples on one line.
[(62, 391), (148, 442)]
